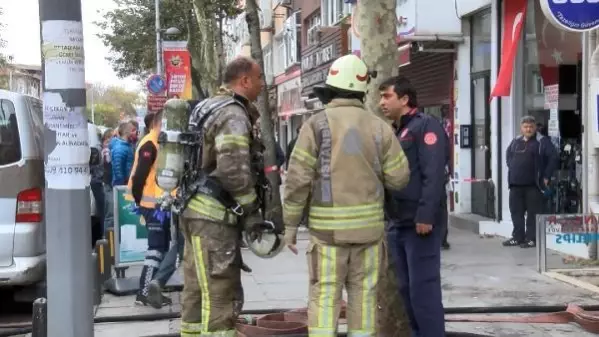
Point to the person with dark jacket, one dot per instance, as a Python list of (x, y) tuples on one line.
[(291, 144), (531, 160)]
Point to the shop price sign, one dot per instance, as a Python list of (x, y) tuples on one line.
[(572, 15)]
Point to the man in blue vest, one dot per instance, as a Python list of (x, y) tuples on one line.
[(415, 214)]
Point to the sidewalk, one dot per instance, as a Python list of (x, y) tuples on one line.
[(476, 272)]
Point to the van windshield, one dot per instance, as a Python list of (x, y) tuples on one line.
[(10, 145)]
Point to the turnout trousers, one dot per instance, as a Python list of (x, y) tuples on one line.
[(417, 261), (212, 295), (355, 267)]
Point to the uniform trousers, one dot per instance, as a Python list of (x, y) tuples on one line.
[(212, 296), (355, 267), (417, 261)]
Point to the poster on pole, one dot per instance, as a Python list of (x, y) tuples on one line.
[(130, 233), (178, 69), (62, 53), (552, 104)]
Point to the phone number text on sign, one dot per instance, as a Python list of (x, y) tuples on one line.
[(67, 164)]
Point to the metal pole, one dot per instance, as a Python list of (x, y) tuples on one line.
[(66, 156), (39, 320), (158, 40)]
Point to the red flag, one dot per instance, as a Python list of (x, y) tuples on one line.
[(555, 47), (513, 22)]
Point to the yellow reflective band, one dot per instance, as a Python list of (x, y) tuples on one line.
[(202, 280), (293, 209), (223, 140), (369, 284), (129, 196), (191, 328), (327, 291), (246, 199), (347, 217), (209, 207), (303, 156), (190, 334), (394, 164), (319, 332)]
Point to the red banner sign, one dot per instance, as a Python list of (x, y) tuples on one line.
[(156, 103), (177, 62)]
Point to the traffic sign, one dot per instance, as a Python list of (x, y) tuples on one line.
[(156, 84), (572, 15), (156, 103)]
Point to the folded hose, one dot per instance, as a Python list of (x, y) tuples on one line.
[(559, 314)]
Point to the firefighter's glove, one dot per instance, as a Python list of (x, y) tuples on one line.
[(290, 239)]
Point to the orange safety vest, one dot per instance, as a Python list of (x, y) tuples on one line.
[(151, 191)]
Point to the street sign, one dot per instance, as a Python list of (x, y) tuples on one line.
[(156, 84), (156, 103), (572, 15)]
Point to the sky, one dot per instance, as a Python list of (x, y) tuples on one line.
[(21, 18)]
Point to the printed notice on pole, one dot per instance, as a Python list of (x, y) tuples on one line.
[(67, 164), (62, 53)]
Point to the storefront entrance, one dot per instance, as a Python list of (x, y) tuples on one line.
[(483, 192)]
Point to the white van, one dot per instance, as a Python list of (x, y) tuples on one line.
[(22, 223)]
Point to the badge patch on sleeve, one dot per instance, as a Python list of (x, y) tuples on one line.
[(146, 154), (430, 138)]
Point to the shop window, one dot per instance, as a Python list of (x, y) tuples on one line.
[(268, 66), (313, 24), (481, 41)]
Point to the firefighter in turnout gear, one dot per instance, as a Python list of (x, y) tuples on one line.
[(344, 159), (142, 188), (211, 222)]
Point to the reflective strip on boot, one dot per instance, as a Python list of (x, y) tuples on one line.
[(210, 208), (191, 329), (369, 285), (327, 289), (347, 217), (202, 276)]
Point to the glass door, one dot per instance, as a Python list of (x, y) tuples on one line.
[(483, 191)]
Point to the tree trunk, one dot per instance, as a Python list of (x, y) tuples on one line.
[(205, 43), (220, 50), (273, 206), (376, 25)]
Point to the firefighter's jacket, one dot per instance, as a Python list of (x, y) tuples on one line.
[(226, 156), (343, 160), (142, 187)]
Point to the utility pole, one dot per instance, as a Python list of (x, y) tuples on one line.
[(158, 39), (66, 158)]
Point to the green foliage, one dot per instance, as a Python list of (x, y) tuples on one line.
[(110, 102)]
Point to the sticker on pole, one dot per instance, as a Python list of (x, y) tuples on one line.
[(66, 145), (62, 53), (572, 15)]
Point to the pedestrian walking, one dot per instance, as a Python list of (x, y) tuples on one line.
[(415, 213), (531, 161), (343, 160)]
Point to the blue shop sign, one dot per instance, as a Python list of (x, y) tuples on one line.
[(572, 15), (156, 84)]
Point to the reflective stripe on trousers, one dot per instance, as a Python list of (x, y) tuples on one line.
[(333, 267), (347, 217)]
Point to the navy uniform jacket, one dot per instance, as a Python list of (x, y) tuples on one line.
[(426, 146)]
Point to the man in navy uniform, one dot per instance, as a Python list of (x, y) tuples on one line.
[(415, 214)]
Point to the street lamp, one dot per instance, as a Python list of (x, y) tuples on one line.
[(169, 31)]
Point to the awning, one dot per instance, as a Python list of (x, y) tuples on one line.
[(513, 22)]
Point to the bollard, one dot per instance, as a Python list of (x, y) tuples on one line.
[(39, 320), (104, 266), (97, 285), (110, 239)]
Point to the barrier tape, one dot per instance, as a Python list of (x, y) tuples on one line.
[(470, 180)]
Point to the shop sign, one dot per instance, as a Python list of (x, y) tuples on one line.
[(319, 57), (317, 77), (572, 15), (156, 103), (289, 99)]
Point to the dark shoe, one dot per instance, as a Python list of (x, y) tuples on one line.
[(511, 243), (445, 245), (166, 301), (142, 300), (528, 244), (155, 295)]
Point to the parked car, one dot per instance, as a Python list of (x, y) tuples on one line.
[(22, 223)]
